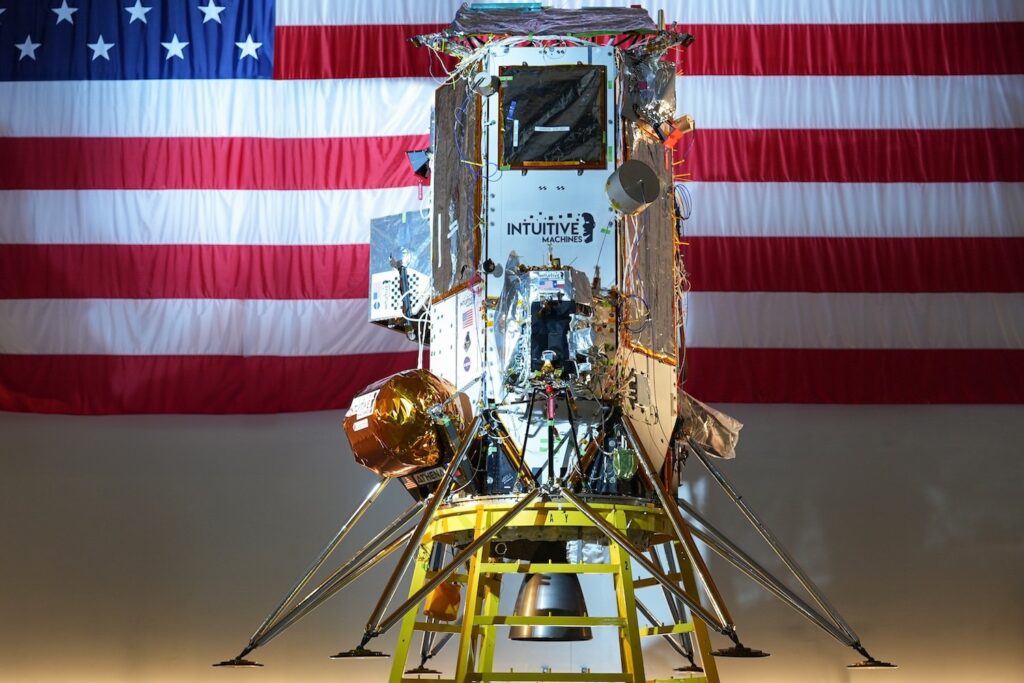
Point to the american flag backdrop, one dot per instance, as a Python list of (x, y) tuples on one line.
[(186, 188)]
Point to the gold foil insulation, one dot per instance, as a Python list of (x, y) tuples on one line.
[(389, 426), (443, 602)]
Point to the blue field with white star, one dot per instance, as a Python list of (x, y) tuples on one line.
[(135, 39)]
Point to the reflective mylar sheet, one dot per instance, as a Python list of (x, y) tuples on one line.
[(717, 432)]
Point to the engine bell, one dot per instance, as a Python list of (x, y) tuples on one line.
[(554, 595)]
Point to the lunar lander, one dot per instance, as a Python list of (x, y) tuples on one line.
[(549, 437)]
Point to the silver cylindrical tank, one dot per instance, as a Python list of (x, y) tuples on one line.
[(633, 187)]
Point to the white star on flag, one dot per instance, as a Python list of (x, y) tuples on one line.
[(175, 47), (249, 48), (64, 12), (100, 49), (28, 48), (211, 12), (138, 12)]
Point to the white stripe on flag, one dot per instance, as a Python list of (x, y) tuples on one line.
[(374, 107), (368, 107), (245, 217), (326, 327), (213, 327), (854, 321), (310, 12), (852, 101), (857, 209), (254, 217)]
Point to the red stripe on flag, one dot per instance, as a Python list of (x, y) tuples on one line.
[(831, 264), (367, 51), (174, 271), (95, 385), (853, 49), (715, 264), (856, 375), (101, 385), (207, 163), (975, 155), (855, 156), (384, 51)]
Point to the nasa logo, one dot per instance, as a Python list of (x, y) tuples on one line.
[(466, 364)]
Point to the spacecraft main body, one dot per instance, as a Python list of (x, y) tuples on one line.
[(549, 436)]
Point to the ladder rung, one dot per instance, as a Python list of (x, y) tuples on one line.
[(546, 568), (666, 630), (689, 679), (552, 676), (651, 581), (428, 680), (547, 621), (437, 627)]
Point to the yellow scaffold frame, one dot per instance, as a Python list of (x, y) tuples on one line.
[(479, 629)]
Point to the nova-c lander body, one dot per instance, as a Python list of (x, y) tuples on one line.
[(550, 434)]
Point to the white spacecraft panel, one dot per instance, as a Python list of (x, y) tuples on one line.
[(652, 403), (469, 364), (564, 209), (444, 340), (456, 341)]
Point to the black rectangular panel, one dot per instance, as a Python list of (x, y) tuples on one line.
[(553, 117)]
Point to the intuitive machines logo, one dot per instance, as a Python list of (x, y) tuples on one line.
[(556, 228)]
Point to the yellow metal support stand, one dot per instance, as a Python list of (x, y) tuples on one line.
[(700, 629), (470, 635), (421, 564), (630, 649), (481, 627)]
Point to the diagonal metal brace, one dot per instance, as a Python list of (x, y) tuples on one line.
[(315, 566), (680, 527), (649, 615), (615, 535), (735, 556), (317, 598), (463, 555), (773, 542), (428, 516)]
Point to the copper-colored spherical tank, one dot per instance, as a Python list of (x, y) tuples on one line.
[(389, 427)]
